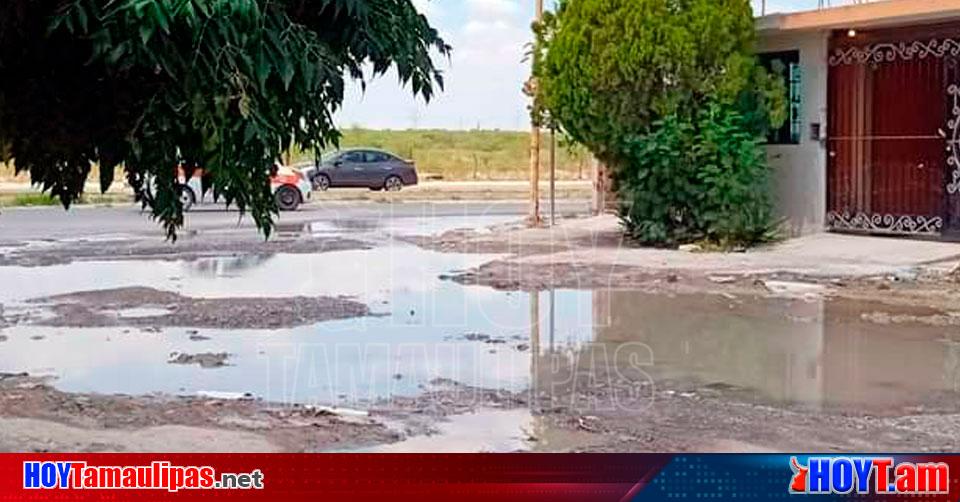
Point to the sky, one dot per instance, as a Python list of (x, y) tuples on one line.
[(483, 77)]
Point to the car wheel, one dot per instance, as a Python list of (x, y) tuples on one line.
[(187, 198), (288, 198), (321, 182), (393, 184)]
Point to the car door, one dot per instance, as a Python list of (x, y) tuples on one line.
[(375, 169), (348, 170)]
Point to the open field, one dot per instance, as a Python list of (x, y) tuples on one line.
[(449, 155), (468, 155)]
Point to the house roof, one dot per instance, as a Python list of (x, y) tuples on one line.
[(865, 15)]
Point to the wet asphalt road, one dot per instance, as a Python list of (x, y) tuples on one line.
[(20, 224)]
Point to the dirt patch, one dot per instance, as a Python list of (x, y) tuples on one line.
[(418, 415), (34, 416), (585, 254), (935, 292), (515, 341), (929, 292), (191, 246), (706, 422), (589, 412), (609, 413), (106, 307), (511, 276), (951, 319), (37, 417), (599, 412), (204, 360), (472, 242)]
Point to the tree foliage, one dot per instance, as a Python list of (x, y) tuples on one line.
[(669, 94), (223, 84), (699, 178)]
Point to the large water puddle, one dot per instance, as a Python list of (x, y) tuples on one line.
[(423, 328), (809, 352), (813, 352)]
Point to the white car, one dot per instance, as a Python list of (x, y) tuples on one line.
[(290, 188)]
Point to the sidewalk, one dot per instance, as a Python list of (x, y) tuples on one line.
[(597, 241)]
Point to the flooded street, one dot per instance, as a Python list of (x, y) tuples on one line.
[(817, 353), (382, 328)]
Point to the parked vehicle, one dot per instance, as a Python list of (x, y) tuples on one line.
[(290, 188), (362, 168)]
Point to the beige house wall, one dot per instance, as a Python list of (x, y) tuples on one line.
[(800, 171)]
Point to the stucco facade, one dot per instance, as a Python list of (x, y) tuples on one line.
[(799, 170), (806, 173)]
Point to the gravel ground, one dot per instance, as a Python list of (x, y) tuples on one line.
[(36, 417), (186, 248), (101, 308)]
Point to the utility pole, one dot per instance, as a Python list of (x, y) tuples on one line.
[(534, 216), (553, 177)]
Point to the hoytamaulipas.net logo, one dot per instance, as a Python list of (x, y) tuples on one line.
[(157, 475), (868, 475)]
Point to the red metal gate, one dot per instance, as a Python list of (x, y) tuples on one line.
[(892, 116)]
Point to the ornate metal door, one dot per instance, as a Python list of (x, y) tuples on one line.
[(952, 133), (892, 118)]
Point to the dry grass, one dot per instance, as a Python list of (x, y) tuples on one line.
[(41, 199), (468, 155), (7, 174)]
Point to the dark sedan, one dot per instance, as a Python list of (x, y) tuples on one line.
[(362, 168)]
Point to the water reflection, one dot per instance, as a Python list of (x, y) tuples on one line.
[(817, 353), (225, 266)]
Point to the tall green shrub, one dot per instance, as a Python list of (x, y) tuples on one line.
[(699, 178), (669, 94)]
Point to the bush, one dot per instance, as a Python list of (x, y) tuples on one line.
[(697, 179), (669, 94)]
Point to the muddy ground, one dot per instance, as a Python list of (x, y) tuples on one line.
[(919, 287), (598, 412), (165, 309), (190, 246), (923, 290), (36, 417), (203, 359)]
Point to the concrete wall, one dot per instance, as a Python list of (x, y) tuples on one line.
[(799, 171)]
